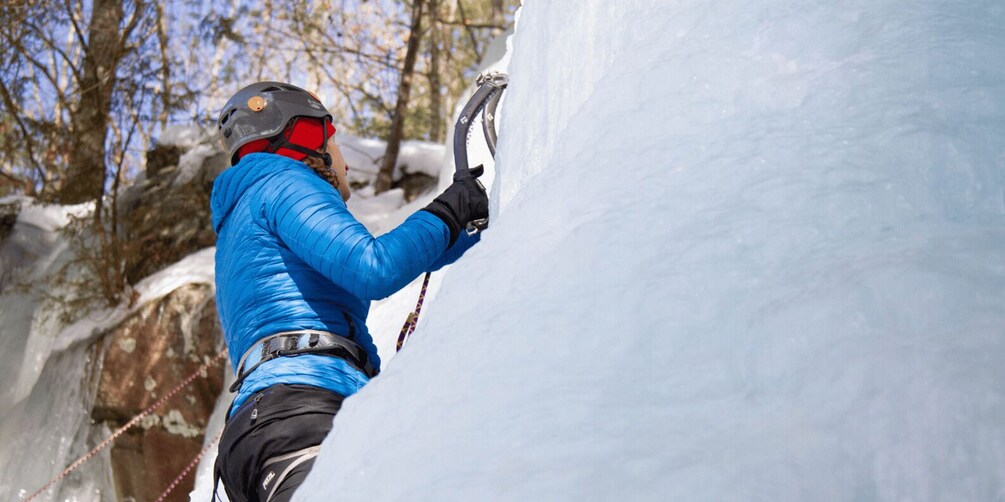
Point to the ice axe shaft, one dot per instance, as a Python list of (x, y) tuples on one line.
[(485, 100)]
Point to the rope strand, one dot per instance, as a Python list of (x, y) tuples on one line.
[(160, 402), (191, 464), (413, 318)]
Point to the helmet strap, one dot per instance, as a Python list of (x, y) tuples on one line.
[(280, 141)]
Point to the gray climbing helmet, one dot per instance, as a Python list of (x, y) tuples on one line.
[(261, 111)]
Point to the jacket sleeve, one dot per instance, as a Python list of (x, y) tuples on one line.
[(453, 253), (312, 220)]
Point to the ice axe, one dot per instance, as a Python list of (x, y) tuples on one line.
[(485, 100)]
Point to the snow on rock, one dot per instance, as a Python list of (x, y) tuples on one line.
[(192, 161), (184, 136), (748, 251), (50, 217), (198, 145), (196, 268)]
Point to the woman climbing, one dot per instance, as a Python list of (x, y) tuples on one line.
[(295, 274)]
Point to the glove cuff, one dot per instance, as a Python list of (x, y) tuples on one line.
[(443, 212)]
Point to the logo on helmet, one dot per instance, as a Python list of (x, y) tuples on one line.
[(256, 103)]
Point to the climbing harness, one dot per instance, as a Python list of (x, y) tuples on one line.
[(485, 100), (202, 371), (308, 341)]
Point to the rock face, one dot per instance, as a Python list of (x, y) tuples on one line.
[(415, 184), (144, 358), (8, 216), (166, 214)]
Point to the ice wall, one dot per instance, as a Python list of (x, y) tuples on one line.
[(49, 367), (47, 378), (740, 251)]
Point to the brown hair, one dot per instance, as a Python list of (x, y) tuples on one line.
[(326, 173)]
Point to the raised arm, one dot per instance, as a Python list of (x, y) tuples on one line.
[(312, 220)]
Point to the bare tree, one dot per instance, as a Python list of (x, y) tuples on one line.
[(64, 68), (436, 111), (103, 50), (387, 163), (64, 62)]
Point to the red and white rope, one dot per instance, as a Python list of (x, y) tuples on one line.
[(191, 464), (118, 432), (413, 318)]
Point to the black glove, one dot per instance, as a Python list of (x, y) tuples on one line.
[(462, 202)]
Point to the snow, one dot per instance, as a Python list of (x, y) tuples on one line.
[(739, 251), (49, 217), (47, 401), (197, 144), (186, 137), (362, 155), (191, 161), (746, 251), (196, 268)]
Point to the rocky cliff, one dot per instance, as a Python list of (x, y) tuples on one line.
[(144, 358)]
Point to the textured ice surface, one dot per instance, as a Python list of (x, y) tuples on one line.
[(46, 404), (740, 251)]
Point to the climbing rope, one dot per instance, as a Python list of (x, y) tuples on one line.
[(413, 318), (484, 100), (191, 464), (160, 402)]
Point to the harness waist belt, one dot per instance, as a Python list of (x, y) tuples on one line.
[(294, 343)]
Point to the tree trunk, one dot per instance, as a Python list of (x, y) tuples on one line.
[(166, 64), (436, 121), (85, 177), (385, 176)]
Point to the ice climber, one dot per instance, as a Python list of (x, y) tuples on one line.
[(295, 274)]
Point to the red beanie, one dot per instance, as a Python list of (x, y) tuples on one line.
[(301, 131)]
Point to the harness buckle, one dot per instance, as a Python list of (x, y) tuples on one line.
[(294, 343)]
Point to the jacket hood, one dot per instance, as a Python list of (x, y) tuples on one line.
[(233, 182)]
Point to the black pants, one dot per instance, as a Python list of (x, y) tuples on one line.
[(269, 444)]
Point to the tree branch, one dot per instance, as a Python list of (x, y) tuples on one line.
[(469, 29), (76, 27), (15, 112)]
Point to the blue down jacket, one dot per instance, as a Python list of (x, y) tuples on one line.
[(290, 256)]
